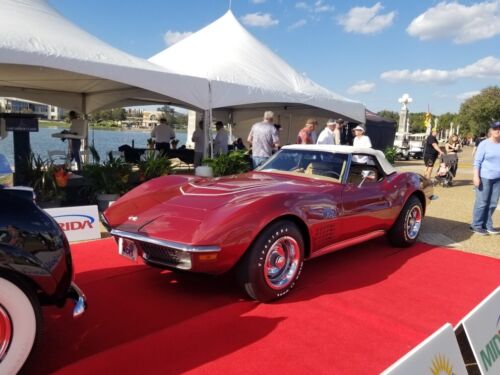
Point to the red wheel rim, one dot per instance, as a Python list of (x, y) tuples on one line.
[(5, 332)]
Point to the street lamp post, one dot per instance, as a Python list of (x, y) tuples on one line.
[(404, 119)]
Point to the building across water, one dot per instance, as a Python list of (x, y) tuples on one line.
[(44, 111)]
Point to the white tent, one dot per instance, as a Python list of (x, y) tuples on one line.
[(247, 78), (46, 58)]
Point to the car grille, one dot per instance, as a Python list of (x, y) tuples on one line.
[(160, 254)]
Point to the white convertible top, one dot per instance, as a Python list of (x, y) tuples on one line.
[(386, 166)]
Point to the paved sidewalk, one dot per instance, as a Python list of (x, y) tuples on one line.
[(448, 218)]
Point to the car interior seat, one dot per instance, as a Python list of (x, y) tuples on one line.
[(319, 169)]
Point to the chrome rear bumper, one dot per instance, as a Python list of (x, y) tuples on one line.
[(78, 297)]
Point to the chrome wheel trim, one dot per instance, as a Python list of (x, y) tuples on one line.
[(5, 332), (413, 222), (282, 263)]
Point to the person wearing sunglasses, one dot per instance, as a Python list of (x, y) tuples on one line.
[(487, 182)]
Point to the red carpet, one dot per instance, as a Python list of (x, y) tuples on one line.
[(353, 312)]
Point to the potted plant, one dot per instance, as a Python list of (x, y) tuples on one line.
[(234, 162), (107, 181), (40, 176), (154, 165)]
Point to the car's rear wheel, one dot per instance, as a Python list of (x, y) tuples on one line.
[(20, 325), (273, 263), (406, 229)]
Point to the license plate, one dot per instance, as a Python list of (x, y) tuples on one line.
[(127, 248)]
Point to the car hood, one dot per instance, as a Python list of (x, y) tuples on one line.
[(160, 207), (229, 185)]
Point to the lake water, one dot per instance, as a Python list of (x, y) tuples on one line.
[(104, 141)]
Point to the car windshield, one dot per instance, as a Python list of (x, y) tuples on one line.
[(316, 164)]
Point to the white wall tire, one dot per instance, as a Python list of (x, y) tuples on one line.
[(273, 263), (23, 308)]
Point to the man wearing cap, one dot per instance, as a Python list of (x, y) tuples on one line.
[(361, 141), (327, 135), (263, 138), (305, 134), (163, 134)]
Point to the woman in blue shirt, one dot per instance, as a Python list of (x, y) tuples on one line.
[(487, 182)]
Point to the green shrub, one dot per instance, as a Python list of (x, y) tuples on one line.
[(112, 177), (39, 175), (154, 165), (234, 162), (390, 154)]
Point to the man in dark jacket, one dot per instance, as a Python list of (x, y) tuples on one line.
[(431, 152)]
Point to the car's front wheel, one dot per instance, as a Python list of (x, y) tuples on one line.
[(20, 321), (406, 229), (273, 263)]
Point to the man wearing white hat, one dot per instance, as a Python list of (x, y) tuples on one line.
[(363, 141), (327, 135)]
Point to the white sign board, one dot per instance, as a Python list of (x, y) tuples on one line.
[(438, 354), (78, 223), (482, 326)]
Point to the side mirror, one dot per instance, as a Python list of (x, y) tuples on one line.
[(367, 175)]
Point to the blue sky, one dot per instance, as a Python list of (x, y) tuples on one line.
[(438, 52)]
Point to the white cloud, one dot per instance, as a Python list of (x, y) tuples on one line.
[(466, 95), (258, 1), (363, 20), (361, 87), (172, 37), (488, 67), (297, 25), (259, 20), (318, 6), (461, 23)]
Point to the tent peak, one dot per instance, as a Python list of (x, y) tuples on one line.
[(225, 53)]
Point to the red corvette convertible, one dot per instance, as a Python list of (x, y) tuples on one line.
[(305, 201)]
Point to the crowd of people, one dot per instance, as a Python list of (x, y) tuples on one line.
[(263, 138)]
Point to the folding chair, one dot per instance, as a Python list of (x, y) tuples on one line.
[(58, 157)]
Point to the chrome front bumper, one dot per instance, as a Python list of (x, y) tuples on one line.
[(170, 244), (78, 297), (165, 253)]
